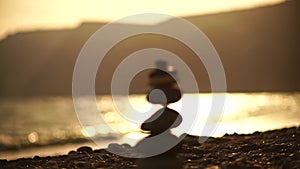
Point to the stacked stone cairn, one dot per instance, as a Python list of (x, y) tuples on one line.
[(165, 90)]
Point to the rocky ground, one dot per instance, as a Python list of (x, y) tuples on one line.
[(272, 149)]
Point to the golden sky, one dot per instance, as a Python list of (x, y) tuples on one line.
[(21, 15)]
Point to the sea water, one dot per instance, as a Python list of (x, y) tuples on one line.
[(48, 120)]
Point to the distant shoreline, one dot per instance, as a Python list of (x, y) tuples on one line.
[(107, 94)]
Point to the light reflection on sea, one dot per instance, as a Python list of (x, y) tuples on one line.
[(50, 119)]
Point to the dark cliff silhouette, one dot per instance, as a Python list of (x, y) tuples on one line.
[(258, 48)]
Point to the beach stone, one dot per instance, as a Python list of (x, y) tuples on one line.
[(79, 164), (164, 119), (160, 162), (85, 149), (72, 153), (3, 161), (213, 167), (126, 146), (52, 164), (82, 164), (37, 158), (164, 95)]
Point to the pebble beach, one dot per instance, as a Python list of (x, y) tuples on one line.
[(276, 149)]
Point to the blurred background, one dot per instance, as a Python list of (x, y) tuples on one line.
[(257, 42)]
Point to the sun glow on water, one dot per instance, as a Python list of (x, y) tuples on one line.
[(241, 111)]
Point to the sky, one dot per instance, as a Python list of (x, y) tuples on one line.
[(27, 15)]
